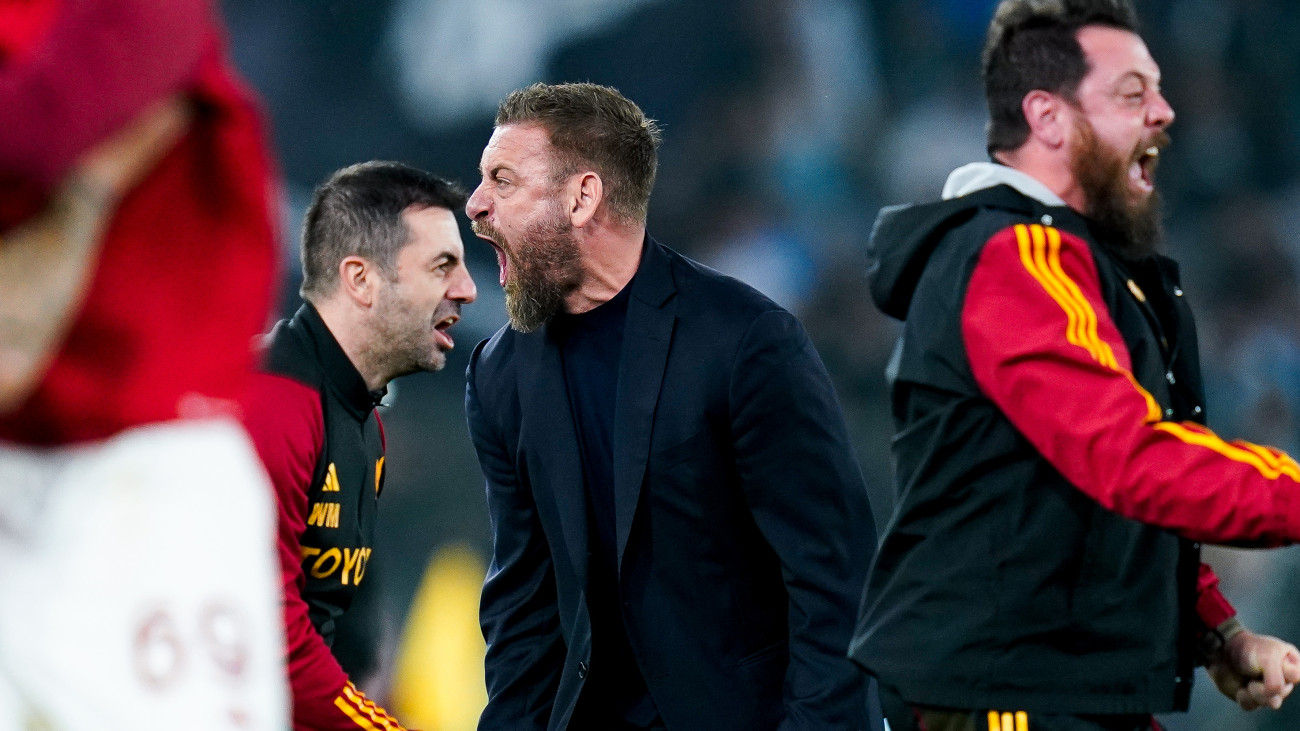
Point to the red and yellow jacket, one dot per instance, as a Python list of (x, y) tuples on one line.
[(320, 437), (1055, 474)]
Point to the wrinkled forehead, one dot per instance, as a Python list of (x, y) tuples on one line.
[(1114, 54), (517, 146)]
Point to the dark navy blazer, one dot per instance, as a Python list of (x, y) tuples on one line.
[(742, 522)]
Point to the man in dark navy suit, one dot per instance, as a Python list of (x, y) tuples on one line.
[(681, 530)]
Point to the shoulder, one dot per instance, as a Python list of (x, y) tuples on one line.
[(288, 351), (995, 238), (717, 299), (493, 358), (285, 420), (283, 405)]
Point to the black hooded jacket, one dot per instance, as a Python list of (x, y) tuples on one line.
[(1001, 583)]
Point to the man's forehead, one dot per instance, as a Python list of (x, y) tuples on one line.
[(512, 143), (434, 225), (1112, 53)]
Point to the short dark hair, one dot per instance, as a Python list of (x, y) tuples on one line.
[(593, 126), (358, 212), (1034, 44)]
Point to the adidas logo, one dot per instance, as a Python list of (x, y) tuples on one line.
[(331, 480)]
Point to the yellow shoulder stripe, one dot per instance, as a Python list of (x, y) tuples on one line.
[(1040, 254)]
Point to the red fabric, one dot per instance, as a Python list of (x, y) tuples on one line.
[(284, 419), (187, 266), (1091, 420), (1211, 606), (23, 23), (79, 73)]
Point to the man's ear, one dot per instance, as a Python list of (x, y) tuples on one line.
[(357, 280), (586, 191), (1049, 116)]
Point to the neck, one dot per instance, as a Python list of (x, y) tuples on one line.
[(610, 257), (346, 325), (1050, 171)]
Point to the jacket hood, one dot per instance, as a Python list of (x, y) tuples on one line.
[(900, 246), (905, 236)]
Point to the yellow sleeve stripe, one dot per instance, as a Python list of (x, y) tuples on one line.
[(352, 713), (1031, 257), (1105, 355), (1040, 254), (1280, 460), (363, 712), (377, 714), (1267, 463)]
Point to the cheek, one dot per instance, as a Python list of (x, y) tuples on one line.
[(1120, 134)]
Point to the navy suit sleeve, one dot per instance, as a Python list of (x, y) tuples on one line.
[(805, 490), (518, 611)]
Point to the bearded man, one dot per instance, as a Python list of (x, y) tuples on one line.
[(1055, 477), (384, 278), (680, 527)]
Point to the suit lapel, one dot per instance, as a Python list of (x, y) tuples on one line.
[(548, 423), (647, 335)]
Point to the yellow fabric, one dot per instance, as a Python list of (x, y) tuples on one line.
[(438, 680)]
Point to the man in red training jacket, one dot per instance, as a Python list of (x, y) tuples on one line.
[(384, 278)]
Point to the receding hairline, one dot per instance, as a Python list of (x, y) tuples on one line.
[(521, 124)]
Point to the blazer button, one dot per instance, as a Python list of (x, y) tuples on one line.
[(582, 671)]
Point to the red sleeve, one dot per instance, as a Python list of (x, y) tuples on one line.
[(98, 64), (1043, 348), (284, 418), (1211, 606)]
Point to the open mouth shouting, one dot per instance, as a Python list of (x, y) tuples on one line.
[(440, 333), (485, 231), (1142, 171)]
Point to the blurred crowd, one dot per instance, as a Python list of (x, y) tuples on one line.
[(787, 125)]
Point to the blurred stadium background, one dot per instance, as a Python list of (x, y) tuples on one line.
[(788, 123)]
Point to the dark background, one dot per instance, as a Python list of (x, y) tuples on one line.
[(787, 124)]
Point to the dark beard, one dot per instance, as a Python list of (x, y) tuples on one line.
[(545, 267), (1130, 229), (403, 341)]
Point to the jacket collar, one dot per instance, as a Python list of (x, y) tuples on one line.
[(337, 369), (547, 417), (653, 283), (978, 176)]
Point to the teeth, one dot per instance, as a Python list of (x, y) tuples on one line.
[(1153, 151)]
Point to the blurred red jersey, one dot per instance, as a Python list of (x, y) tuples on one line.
[(187, 267)]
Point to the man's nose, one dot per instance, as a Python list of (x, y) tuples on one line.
[(477, 204), (464, 290), (1160, 113)]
